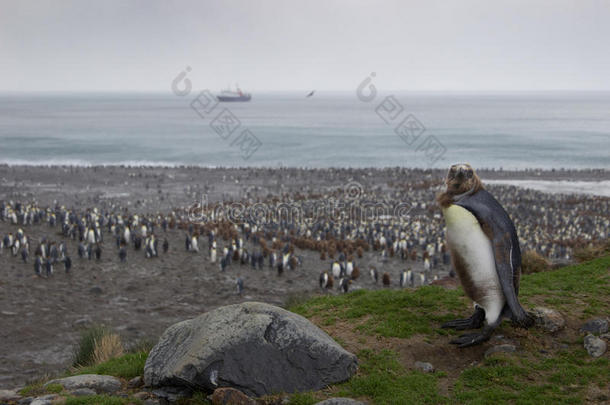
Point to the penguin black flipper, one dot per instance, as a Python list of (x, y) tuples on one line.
[(497, 225)]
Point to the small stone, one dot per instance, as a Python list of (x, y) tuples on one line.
[(142, 395), (548, 319), (594, 345), (44, 400), (500, 349), (605, 336), (9, 395), (231, 396), (79, 392), (152, 402), (38, 401), (424, 366), (595, 326), (340, 401), (136, 382), (99, 383)]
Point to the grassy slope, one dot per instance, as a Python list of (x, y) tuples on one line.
[(390, 329), (385, 327)]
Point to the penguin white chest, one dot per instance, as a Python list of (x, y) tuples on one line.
[(473, 259)]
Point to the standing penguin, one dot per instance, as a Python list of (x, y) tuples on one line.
[(485, 253), (67, 264), (165, 245), (374, 275), (240, 285)]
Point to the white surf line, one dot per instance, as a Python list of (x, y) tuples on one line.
[(599, 188)]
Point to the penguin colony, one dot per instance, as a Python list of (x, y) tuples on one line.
[(551, 224)]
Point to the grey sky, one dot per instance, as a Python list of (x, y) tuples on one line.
[(65, 45)]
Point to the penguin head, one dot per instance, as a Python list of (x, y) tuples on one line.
[(462, 178)]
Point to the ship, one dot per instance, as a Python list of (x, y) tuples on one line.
[(230, 95)]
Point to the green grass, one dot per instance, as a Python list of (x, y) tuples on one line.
[(587, 282), (303, 398), (100, 400), (389, 313), (127, 366), (54, 388), (382, 377), (526, 377)]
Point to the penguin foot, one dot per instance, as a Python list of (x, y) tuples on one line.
[(474, 322), (472, 339), (525, 320)]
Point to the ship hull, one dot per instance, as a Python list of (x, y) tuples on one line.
[(226, 99)]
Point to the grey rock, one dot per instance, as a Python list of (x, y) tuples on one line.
[(9, 395), (594, 345), (98, 383), (424, 366), (141, 395), (595, 326), (500, 349), (25, 401), (548, 319), (136, 382), (39, 401), (259, 348), (44, 400), (152, 402), (80, 392), (340, 401)]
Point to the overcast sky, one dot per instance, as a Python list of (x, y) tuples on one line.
[(472, 45)]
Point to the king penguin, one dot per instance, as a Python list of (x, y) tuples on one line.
[(485, 253)]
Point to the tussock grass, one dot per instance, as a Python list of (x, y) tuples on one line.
[(533, 262), (107, 347)]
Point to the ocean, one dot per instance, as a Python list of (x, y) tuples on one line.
[(510, 131)]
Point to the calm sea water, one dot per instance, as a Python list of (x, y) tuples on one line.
[(550, 130)]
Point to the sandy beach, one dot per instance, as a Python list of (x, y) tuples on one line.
[(41, 317)]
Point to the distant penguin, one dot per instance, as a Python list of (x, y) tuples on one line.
[(344, 284), (404, 279), (122, 253), (213, 254), (374, 275), (349, 268), (240, 285), (165, 245), (81, 250), (16, 246), (195, 243), (336, 269), (24, 255), (386, 279), (280, 268), (326, 280), (423, 278), (49, 267), (98, 252), (67, 264), (38, 265)]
